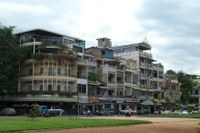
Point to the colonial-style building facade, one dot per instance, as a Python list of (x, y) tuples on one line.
[(60, 71)]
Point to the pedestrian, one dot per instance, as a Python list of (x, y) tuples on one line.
[(128, 111)]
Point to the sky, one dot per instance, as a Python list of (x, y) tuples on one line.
[(172, 27)]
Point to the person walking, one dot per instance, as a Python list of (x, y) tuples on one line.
[(128, 111)]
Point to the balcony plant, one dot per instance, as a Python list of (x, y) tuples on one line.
[(120, 66), (93, 76)]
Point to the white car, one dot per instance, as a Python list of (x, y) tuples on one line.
[(185, 112), (166, 112), (177, 112), (129, 110), (195, 112)]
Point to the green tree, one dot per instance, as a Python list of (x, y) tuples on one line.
[(186, 86), (10, 56), (33, 113), (171, 72)]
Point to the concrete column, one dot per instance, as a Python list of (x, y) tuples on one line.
[(132, 84), (19, 86), (52, 65), (67, 75), (47, 73), (87, 80), (124, 89), (199, 100), (33, 71), (43, 74), (115, 81), (56, 75)]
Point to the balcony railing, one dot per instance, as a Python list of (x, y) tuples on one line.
[(120, 82), (86, 62), (111, 82), (109, 68), (145, 54), (145, 64)]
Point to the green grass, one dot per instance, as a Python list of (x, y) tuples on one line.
[(198, 130), (175, 115), (21, 124)]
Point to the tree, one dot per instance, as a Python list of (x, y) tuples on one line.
[(33, 113), (10, 56), (186, 86), (172, 72)]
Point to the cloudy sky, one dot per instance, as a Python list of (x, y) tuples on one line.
[(172, 27)]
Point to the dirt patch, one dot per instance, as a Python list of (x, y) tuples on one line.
[(159, 125)]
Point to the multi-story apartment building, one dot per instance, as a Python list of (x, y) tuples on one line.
[(119, 77), (56, 71), (195, 91), (60, 71), (151, 74), (171, 90)]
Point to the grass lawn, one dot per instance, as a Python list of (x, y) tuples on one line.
[(198, 130), (20, 124), (175, 115)]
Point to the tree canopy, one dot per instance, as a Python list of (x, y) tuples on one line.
[(186, 85), (10, 56), (171, 72)]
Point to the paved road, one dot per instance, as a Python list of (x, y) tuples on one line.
[(159, 125)]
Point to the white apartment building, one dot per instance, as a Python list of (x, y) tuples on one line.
[(151, 74)]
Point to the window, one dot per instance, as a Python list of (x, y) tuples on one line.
[(41, 70), (41, 87), (135, 79), (103, 52), (81, 88), (30, 72), (54, 71), (107, 106), (29, 87), (69, 71), (65, 88), (65, 71), (50, 71), (59, 71), (58, 88), (49, 87)]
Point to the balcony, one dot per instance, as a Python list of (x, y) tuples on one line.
[(82, 62), (111, 82), (31, 43), (91, 63), (145, 54), (142, 64), (174, 81), (143, 76), (120, 82), (109, 68), (55, 77)]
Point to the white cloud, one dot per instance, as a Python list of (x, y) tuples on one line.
[(19, 7), (171, 27)]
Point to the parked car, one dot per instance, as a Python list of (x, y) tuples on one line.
[(8, 111), (185, 112), (44, 111), (177, 112), (166, 112), (195, 111), (106, 111)]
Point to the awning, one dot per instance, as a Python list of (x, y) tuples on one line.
[(147, 102)]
